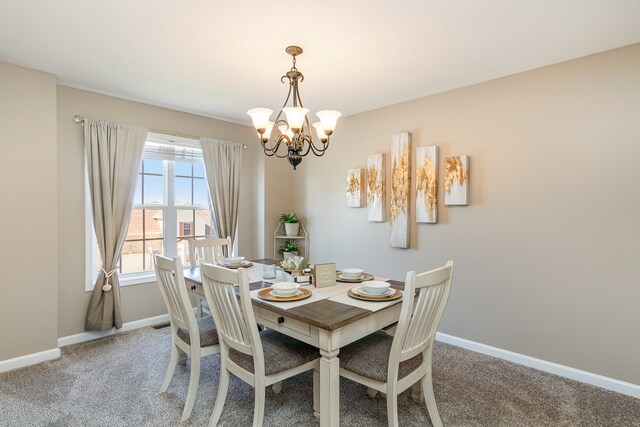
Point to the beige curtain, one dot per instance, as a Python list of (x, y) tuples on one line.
[(223, 167), (113, 157)]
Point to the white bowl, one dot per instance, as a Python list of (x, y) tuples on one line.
[(351, 273), (234, 260), (375, 288), (285, 289)]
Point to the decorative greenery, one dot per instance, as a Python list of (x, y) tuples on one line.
[(288, 247), (290, 217)]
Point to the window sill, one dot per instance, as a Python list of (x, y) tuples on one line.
[(131, 279)]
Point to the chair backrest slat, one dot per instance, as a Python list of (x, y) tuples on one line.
[(234, 318), (170, 277), (424, 315), (211, 250), (420, 317), (418, 314)]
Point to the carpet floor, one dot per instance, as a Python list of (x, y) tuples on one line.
[(115, 381)]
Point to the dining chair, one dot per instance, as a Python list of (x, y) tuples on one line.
[(258, 358), (391, 364), (195, 338), (211, 250), (152, 254)]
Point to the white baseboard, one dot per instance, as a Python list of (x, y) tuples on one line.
[(543, 365), (129, 326), (29, 359)]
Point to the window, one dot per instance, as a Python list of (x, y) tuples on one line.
[(185, 229), (171, 205), (145, 232)]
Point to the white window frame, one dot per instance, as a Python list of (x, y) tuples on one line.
[(170, 216)]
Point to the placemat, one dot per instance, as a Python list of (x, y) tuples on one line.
[(367, 305), (343, 298), (316, 295)]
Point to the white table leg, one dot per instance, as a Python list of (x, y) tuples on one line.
[(329, 379)]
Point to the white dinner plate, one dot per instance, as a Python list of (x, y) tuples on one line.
[(235, 265), (360, 290), (343, 277), (275, 294)]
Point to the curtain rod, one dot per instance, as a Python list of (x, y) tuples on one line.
[(80, 119)]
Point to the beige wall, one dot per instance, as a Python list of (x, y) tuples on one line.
[(28, 216), (279, 197), (273, 191), (138, 301), (547, 252)]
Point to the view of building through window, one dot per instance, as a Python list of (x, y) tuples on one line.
[(164, 220)]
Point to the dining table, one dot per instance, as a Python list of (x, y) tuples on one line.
[(328, 322)]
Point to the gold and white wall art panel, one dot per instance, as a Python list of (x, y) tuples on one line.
[(355, 188), (427, 184), (400, 189), (456, 181), (375, 187)]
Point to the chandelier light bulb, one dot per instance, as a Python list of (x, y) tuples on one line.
[(260, 117), (295, 117), (320, 131), (286, 131), (328, 118), (267, 133)]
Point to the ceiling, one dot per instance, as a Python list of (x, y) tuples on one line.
[(220, 58)]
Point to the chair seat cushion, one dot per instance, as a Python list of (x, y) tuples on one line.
[(281, 352), (369, 357), (207, 329)]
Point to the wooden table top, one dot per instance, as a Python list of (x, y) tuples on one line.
[(324, 314)]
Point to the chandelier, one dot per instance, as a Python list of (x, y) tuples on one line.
[(294, 133)]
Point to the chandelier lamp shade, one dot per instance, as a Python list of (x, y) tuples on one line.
[(292, 137)]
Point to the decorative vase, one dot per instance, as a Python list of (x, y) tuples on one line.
[(291, 229)]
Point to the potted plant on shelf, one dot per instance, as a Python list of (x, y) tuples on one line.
[(288, 249), (291, 223)]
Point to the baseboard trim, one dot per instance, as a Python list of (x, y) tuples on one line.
[(29, 359), (129, 326), (543, 365)]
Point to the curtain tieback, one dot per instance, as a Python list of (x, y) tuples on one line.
[(107, 287)]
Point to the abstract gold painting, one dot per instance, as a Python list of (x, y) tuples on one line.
[(456, 181), (427, 184), (400, 189), (355, 190), (375, 187)]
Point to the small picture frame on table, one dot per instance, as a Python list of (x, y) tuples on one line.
[(324, 275)]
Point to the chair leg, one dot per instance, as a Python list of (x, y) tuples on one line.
[(427, 385), (258, 408), (392, 407), (223, 386), (371, 392), (194, 380), (173, 361), (182, 357), (277, 387), (429, 397), (199, 312), (316, 393), (416, 392)]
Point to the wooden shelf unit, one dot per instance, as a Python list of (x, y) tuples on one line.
[(279, 239)]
